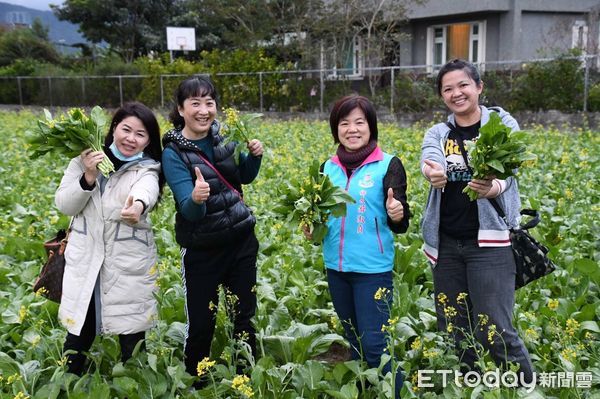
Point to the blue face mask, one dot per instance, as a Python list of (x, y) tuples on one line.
[(119, 155)]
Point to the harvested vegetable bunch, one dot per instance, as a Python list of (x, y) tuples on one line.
[(309, 202), (497, 152), (237, 128), (70, 135)]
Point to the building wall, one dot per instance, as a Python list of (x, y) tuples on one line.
[(515, 29), (545, 34)]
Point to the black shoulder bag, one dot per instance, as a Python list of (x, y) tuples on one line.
[(531, 257)]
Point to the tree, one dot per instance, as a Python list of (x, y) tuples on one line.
[(24, 43), (38, 29), (132, 28), (374, 22)]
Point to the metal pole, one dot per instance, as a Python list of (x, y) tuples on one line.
[(162, 93), (392, 92), (20, 90), (260, 88), (50, 89), (121, 89), (586, 84)]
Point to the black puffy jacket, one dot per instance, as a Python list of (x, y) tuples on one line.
[(227, 217)]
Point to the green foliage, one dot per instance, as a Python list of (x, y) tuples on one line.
[(594, 98), (243, 90), (550, 85), (131, 28), (297, 328), (25, 44), (309, 200), (497, 152), (70, 135), (415, 93)]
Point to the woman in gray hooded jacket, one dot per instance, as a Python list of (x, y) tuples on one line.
[(466, 241)]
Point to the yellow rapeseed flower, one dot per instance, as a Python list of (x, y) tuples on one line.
[(381, 293), (572, 326), (21, 395), (442, 298), (239, 383), (416, 344), (531, 334), (449, 311), (430, 353), (462, 297), (204, 365), (553, 304), (569, 354), (483, 320), (22, 313), (491, 333)]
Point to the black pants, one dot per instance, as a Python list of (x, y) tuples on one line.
[(83, 342), (203, 270)]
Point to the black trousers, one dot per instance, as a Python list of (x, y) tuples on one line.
[(83, 342), (203, 270)]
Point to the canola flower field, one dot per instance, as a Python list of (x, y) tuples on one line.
[(300, 341)]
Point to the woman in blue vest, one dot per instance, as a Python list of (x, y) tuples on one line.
[(213, 225), (358, 249)]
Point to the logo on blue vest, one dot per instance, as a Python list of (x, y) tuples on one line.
[(366, 182)]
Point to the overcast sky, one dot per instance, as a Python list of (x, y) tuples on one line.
[(37, 4)]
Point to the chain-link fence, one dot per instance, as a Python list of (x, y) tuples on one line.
[(567, 84)]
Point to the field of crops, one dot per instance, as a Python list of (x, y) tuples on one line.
[(300, 340)]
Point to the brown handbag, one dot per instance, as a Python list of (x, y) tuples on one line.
[(49, 283)]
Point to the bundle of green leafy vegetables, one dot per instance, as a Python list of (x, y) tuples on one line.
[(70, 134), (498, 152), (238, 128), (307, 203)]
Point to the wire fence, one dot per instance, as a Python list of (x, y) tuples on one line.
[(567, 83)]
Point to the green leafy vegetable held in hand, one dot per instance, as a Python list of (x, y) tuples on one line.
[(237, 128), (70, 134), (497, 152), (309, 202)]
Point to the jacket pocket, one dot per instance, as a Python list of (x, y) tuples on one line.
[(132, 249), (378, 236)]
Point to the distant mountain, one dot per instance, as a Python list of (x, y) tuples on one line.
[(58, 31)]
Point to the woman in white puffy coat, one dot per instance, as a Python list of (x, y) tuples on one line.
[(110, 273)]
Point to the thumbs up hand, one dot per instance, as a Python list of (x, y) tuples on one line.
[(132, 211), (394, 208), (201, 188), (435, 173)]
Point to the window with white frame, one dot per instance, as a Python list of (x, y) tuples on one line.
[(464, 40), (344, 59)]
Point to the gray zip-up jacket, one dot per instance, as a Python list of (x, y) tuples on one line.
[(493, 231)]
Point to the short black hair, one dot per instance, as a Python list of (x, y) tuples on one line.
[(194, 86), (455, 65), (347, 104)]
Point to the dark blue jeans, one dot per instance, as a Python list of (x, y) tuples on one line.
[(487, 276), (353, 296)]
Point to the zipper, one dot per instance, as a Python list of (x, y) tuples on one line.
[(378, 236)]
